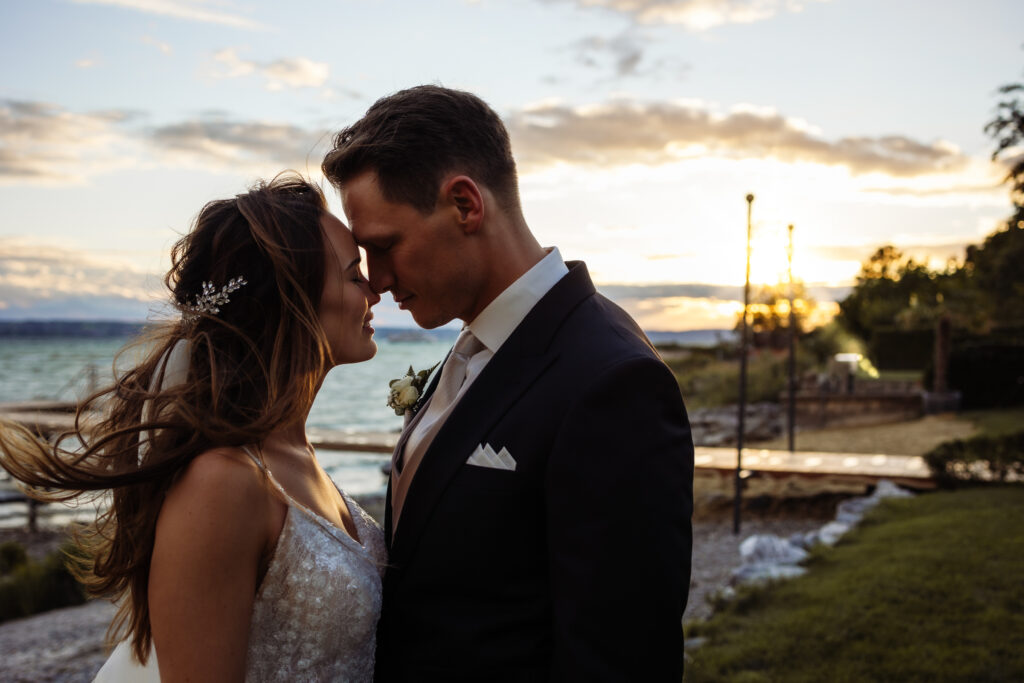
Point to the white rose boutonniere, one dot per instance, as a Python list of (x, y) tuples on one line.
[(406, 391)]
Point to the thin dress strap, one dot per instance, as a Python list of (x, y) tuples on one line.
[(316, 517), (255, 458), (286, 499)]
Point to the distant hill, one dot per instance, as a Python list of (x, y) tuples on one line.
[(90, 329), (692, 337)]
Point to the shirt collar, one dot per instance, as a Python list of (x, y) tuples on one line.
[(498, 321)]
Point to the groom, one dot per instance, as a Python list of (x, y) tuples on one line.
[(539, 506)]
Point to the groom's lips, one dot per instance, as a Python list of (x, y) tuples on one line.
[(402, 302)]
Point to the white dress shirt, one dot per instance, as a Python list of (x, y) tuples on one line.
[(499, 320)]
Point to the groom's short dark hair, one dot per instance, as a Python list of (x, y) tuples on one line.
[(413, 138)]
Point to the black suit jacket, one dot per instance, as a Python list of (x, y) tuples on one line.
[(575, 566)]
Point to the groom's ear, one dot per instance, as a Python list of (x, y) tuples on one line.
[(465, 197)]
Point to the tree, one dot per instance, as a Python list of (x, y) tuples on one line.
[(1008, 130), (995, 267), (768, 315), (887, 285)]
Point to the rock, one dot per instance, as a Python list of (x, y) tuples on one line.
[(765, 572), (800, 540), (718, 426), (694, 643), (768, 558), (887, 489), (769, 549), (832, 532), (852, 511)]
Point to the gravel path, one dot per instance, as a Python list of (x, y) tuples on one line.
[(63, 645), (67, 645), (913, 437)]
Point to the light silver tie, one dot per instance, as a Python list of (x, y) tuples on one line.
[(453, 376)]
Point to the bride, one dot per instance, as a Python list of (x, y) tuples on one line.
[(231, 553)]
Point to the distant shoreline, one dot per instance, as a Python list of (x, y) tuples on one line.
[(92, 329), (113, 329)]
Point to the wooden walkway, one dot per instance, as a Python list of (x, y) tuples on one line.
[(906, 470)]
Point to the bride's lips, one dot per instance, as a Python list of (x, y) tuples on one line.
[(366, 322)]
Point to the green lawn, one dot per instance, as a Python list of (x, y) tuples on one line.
[(901, 375), (926, 589), (997, 421)]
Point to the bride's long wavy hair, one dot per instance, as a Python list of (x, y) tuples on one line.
[(254, 366)]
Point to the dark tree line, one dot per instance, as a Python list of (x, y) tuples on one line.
[(984, 292)]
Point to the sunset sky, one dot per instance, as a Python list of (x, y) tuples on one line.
[(638, 127)]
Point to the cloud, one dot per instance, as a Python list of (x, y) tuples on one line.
[(721, 293), (293, 72), (624, 56), (188, 10), (984, 188), (697, 15), (43, 143), (703, 306), (934, 253), (241, 144), (624, 49), (623, 132), (86, 63), (158, 44), (40, 281)]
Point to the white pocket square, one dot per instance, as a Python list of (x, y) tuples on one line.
[(484, 456)]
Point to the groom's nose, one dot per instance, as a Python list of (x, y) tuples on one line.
[(380, 277)]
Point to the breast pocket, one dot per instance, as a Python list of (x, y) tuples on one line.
[(480, 478), (490, 468)]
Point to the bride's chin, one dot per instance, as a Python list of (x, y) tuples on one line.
[(371, 350)]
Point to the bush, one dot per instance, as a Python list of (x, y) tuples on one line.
[(894, 349), (988, 375), (12, 556), (34, 587), (978, 459)]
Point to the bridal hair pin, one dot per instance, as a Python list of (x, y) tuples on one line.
[(211, 300)]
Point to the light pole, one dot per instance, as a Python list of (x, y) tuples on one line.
[(743, 383), (791, 412)]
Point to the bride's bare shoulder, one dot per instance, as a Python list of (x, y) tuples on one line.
[(222, 481)]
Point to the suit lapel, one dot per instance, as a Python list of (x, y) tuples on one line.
[(421, 405), (519, 362)]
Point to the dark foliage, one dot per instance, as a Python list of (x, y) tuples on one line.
[(980, 459), (988, 375), (32, 587)]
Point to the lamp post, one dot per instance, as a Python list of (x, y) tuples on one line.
[(743, 383), (791, 412)]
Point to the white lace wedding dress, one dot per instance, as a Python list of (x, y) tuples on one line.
[(316, 611)]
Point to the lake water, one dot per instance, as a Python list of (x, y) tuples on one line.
[(353, 397)]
